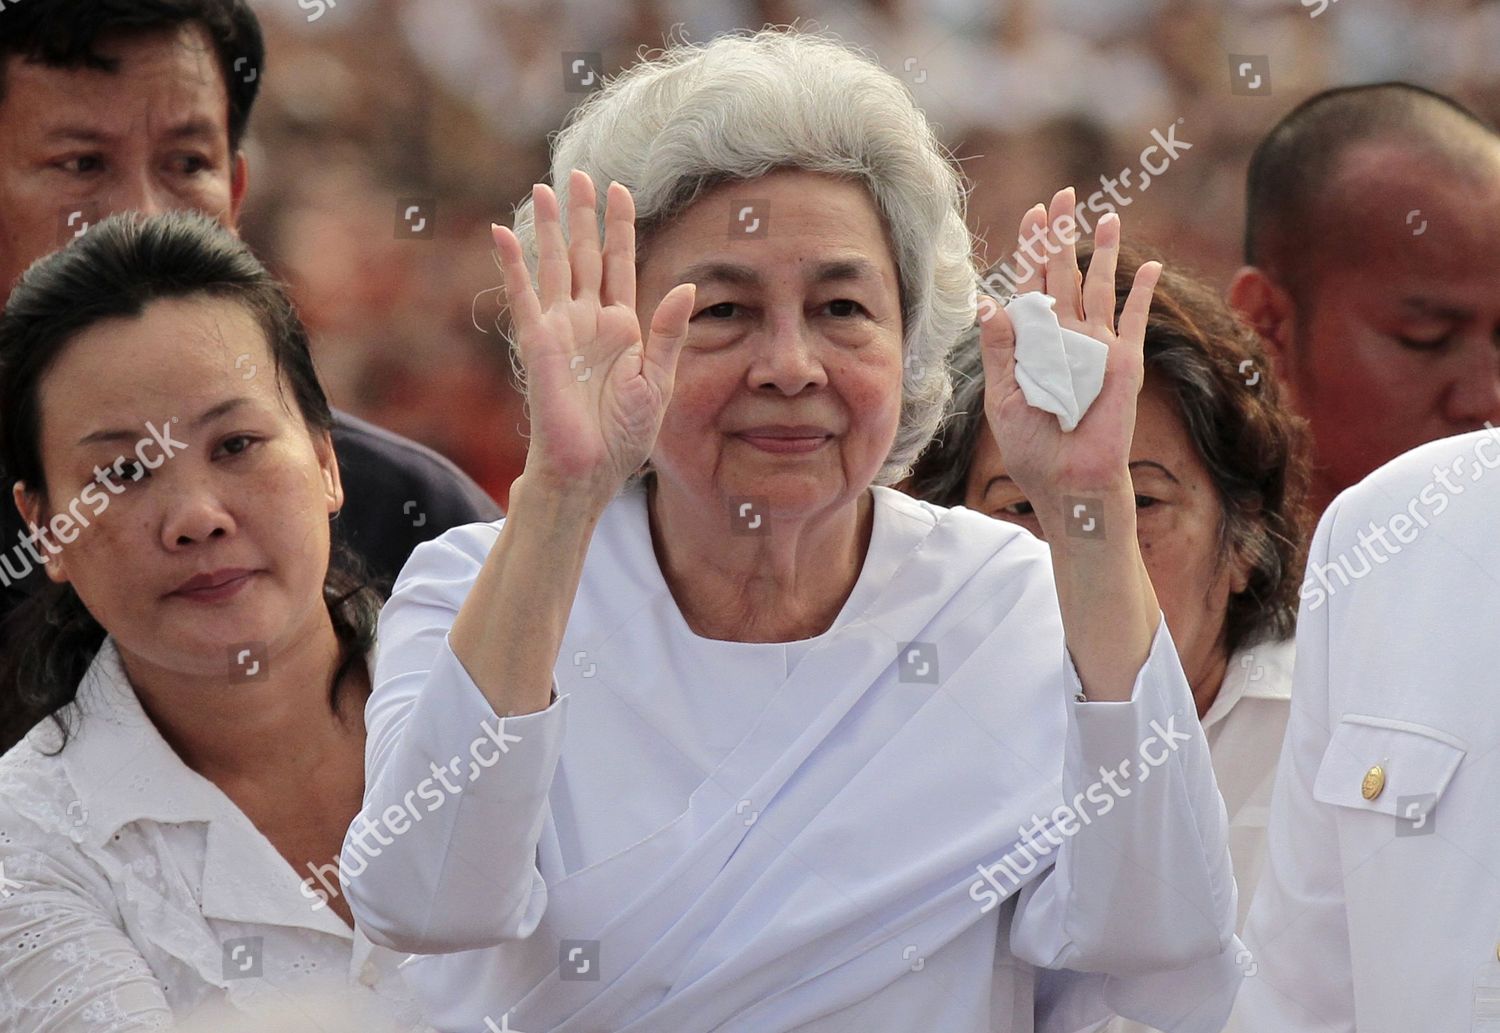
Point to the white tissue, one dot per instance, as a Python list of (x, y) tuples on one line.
[(1058, 370)]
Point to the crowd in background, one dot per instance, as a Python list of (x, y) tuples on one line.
[(371, 104)]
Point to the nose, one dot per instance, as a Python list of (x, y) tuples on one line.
[(194, 514), (787, 360), (1473, 397), (138, 191)]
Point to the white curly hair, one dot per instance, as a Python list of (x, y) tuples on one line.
[(698, 115)]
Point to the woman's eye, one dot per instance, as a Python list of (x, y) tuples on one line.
[(1145, 501), (128, 470), (723, 310), (844, 307), (1018, 509), (236, 444)]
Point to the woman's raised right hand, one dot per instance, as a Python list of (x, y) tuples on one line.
[(595, 391)]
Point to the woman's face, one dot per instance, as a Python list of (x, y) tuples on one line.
[(1177, 523), (789, 387), (233, 486)]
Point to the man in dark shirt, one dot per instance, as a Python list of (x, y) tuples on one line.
[(108, 107)]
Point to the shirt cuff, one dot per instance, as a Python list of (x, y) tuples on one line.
[(1075, 684), (1160, 704)]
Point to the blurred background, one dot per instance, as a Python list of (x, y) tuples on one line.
[(390, 133)]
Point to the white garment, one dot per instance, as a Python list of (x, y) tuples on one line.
[(1379, 908), (1245, 725), (129, 880), (786, 836)]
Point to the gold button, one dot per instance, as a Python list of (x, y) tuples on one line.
[(1374, 782)]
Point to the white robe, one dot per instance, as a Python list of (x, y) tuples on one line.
[(786, 836)]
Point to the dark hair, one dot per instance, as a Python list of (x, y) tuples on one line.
[(1254, 446), (1291, 168), (114, 271), (64, 34)]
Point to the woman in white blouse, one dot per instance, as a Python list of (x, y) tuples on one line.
[(770, 746), (203, 658), (1220, 470)]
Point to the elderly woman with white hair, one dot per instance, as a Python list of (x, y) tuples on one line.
[(716, 731)]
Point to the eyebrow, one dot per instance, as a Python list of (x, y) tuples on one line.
[(719, 272), (193, 128), (112, 435), (1436, 309), (1154, 463), (834, 270), (994, 481), (1139, 462)]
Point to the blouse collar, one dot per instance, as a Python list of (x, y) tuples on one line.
[(123, 772), (1259, 671)]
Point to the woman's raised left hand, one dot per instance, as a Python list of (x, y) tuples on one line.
[(1046, 463)]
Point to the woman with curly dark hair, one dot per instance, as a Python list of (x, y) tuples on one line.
[(1220, 469)]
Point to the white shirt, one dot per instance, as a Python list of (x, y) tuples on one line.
[(1379, 907), (1245, 725), (135, 892), (702, 834)]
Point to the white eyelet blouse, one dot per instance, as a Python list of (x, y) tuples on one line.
[(134, 893)]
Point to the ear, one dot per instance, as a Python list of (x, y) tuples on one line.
[(328, 464), (1241, 563), (239, 182), (30, 505), (1270, 310)]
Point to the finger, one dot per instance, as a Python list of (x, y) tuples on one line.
[(619, 247), (1099, 288), (997, 348), (525, 310), (583, 236), (553, 275), (669, 332), (1137, 308), (1030, 254), (1062, 257)]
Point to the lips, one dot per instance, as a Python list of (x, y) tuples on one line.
[(786, 438), (213, 580)]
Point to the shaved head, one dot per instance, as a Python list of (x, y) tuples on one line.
[(1373, 272), (1306, 178)]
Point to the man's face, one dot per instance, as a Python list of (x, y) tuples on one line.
[(1398, 343), (77, 144)]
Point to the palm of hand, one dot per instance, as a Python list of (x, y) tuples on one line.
[(596, 393), (1043, 460)]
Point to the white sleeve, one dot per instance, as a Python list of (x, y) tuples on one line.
[(66, 963), (1297, 924), (442, 857), (1142, 892)]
